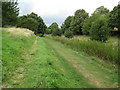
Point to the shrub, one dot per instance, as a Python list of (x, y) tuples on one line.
[(99, 30), (68, 34)]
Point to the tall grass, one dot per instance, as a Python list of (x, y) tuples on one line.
[(94, 48)]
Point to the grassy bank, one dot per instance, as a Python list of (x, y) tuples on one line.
[(14, 46), (105, 51)]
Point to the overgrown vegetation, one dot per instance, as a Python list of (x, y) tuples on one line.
[(94, 48)]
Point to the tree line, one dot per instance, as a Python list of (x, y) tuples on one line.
[(98, 25), (10, 17)]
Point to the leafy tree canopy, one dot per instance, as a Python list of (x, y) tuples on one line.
[(100, 30), (27, 22), (114, 17), (77, 21), (88, 23), (101, 11), (54, 29), (33, 22), (66, 25), (10, 12)]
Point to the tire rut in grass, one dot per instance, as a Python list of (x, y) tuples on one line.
[(70, 67), (74, 63)]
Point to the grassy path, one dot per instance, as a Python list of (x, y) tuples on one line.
[(47, 69), (95, 72), (49, 64)]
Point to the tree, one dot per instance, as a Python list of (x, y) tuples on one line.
[(66, 25), (41, 25), (77, 21), (88, 23), (86, 26), (101, 11), (100, 30), (55, 29), (114, 16), (48, 30), (33, 22), (28, 22), (21, 21), (10, 12)]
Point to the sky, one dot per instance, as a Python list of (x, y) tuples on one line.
[(58, 10)]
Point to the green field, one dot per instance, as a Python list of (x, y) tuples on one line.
[(30, 61)]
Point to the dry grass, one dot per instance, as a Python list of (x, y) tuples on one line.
[(20, 31)]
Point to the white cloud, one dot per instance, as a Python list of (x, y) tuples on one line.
[(25, 8), (63, 8)]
